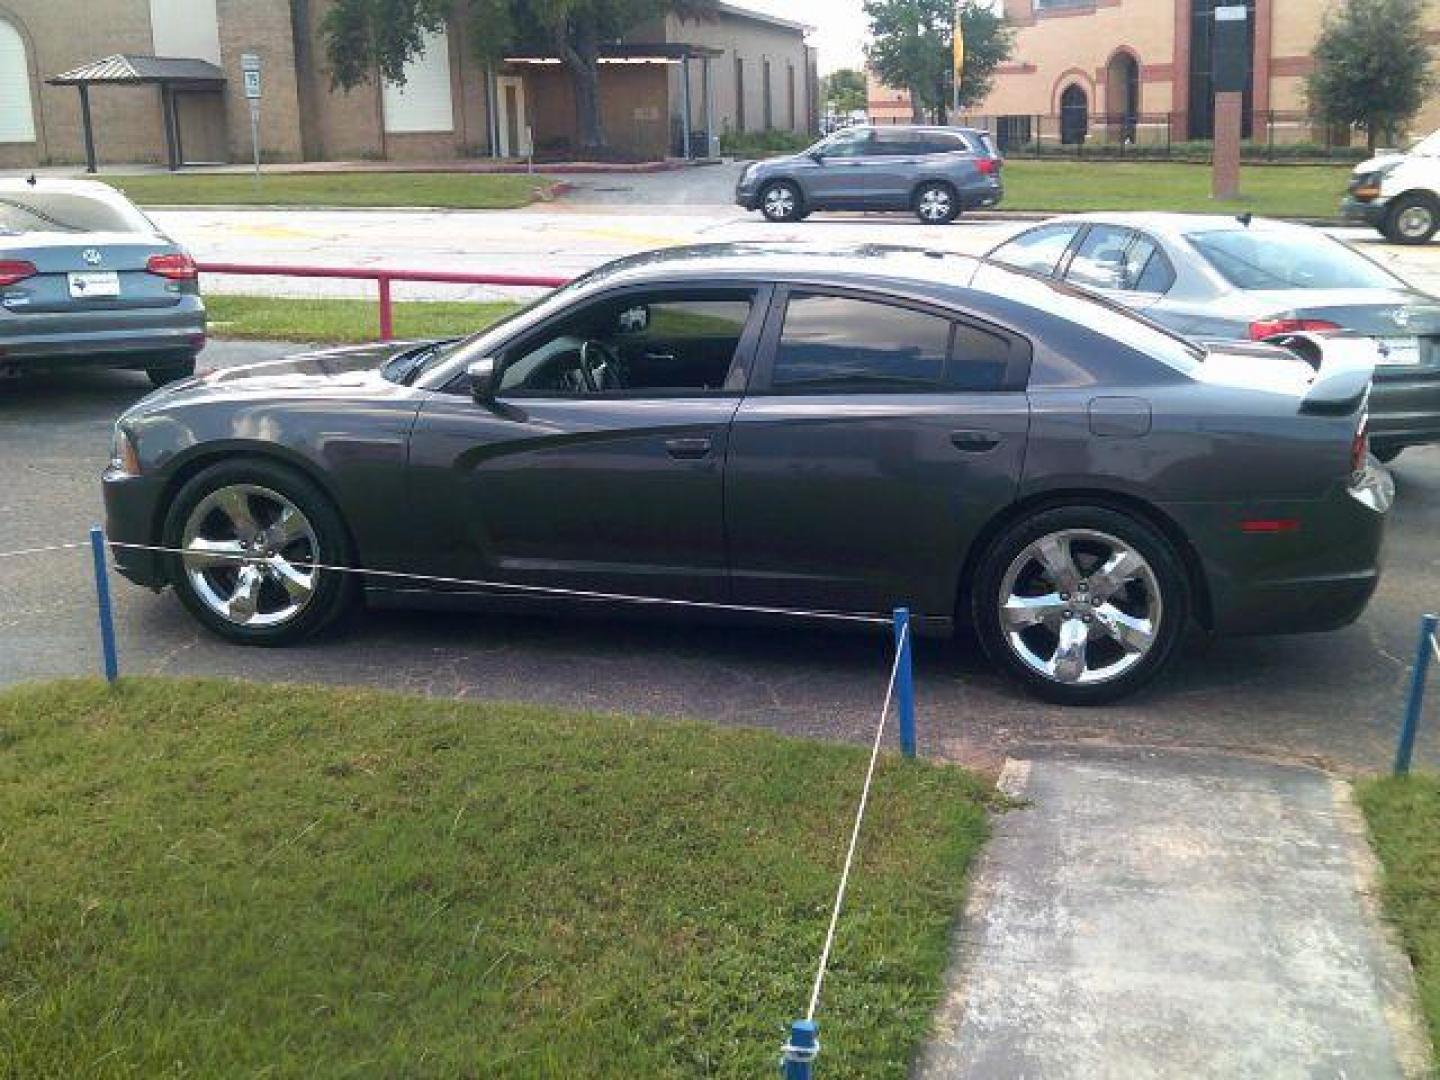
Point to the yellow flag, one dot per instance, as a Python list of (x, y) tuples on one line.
[(959, 37)]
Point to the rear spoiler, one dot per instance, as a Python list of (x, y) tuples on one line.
[(1344, 365)]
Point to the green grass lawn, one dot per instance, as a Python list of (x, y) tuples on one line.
[(224, 879), (467, 191), (343, 321), (1071, 186), (1404, 817)]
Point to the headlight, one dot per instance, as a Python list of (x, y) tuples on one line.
[(123, 457)]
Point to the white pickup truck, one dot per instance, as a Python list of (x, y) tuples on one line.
[(1398, 192)]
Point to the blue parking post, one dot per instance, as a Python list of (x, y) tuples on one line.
[(102, 597), (798, 1056), (905, 683), (1429, 626)]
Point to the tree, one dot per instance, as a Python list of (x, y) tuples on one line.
[(913, 43), (846, 90), (1372, 66), (363, 37)]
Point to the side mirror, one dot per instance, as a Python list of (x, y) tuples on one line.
[(817, 156), (481, 374)]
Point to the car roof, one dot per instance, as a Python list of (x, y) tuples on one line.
[(1174, 225), (65, 184)]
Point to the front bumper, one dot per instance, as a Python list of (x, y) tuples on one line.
[(132, 516), (1371, 212), (1318, 577)]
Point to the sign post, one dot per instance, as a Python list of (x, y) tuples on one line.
[(250, 67), (1230, 66)]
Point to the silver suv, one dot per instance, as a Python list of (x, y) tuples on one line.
[(936, 172)]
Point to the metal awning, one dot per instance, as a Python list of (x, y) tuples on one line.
[(170, 73), (125, 70)]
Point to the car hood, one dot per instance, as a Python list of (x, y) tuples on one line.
[(345, 373), (1379, 161)]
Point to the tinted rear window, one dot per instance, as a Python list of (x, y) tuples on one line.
[(67, 212), (836, 343), (1266, 259)]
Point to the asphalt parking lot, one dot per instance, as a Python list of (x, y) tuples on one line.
[(1332, 698)]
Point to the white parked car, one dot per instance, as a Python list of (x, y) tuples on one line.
[(1398, 192)]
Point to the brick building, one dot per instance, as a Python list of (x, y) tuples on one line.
[(738, 70)]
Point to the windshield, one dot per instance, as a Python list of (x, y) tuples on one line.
[(67, 212), (1271, 259)]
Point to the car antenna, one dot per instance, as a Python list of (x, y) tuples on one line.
[(30, 179), (1245, 218)]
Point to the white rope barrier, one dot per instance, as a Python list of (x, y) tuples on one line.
[(855, 831), (40, 550)]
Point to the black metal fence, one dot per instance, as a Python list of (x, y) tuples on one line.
[(1077, 133)]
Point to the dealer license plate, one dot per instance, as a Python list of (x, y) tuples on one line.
[(89, 284)]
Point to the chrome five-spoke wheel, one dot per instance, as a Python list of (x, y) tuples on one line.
[(250, 555), (1080, 606)]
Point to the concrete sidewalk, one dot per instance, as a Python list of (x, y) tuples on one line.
[(1149, 914)]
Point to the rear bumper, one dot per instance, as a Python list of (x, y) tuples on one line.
[(1405, 408), (1318, 577), (132, 516), (980, 198), (113, 337)]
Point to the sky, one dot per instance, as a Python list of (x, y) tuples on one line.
[(840, 27)]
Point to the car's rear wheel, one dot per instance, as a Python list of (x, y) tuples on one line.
[(1412, 219), (1081, 604), (253, 534), (936, 203), (169, 371), (782, 202)]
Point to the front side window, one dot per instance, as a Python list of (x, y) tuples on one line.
[(1276, 259), (853, 143), (836, 343), (662, 344), (1100, 261), (1038, 250)]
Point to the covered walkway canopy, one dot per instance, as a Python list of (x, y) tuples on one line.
[(168, 73)]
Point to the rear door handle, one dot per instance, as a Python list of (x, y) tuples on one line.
[(974, 442), (687, 449)]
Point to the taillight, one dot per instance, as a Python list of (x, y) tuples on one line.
[(988, 166), (1360, 447), (177, 267), (1268, 328), (14, 270)]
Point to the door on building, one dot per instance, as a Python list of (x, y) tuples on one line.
[(510, 100), (200, 119), (1074, 115)]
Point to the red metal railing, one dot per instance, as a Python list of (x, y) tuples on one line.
[(383, 278)]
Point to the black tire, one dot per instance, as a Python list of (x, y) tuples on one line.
[(333, 592), (935, 203), (782, 202), (1386, 452), (1168, 574), (162, 374), (1412, 219)]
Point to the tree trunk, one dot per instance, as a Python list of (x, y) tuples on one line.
[(917, 108), (580, 53)]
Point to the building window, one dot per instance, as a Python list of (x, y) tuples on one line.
[(739, 94), (17, 115), (790, 92), (425, 101), (768, 104), (1013, 132)]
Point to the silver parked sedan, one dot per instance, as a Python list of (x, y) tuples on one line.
[(86, 278), (1219, 278)]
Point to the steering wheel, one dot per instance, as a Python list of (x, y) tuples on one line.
[(604, 375)]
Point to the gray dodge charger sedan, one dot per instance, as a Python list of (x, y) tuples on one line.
[(778, 429)]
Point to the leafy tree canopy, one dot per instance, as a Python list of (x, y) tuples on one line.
[(1372, 66), (913, 43), (845, 90)]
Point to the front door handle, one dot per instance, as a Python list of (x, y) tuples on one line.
[(687, 449), (969, 441)]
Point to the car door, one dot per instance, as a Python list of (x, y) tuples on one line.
[(879, 435), (894, 167), (610, 481), (838, 179)]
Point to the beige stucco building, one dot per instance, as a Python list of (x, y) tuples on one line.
[(744, 72), (1139, 71)]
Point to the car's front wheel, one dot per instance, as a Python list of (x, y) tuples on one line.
[(936, 204), (253, 535), (1412, 219), (1081, 604), (782, 202)]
